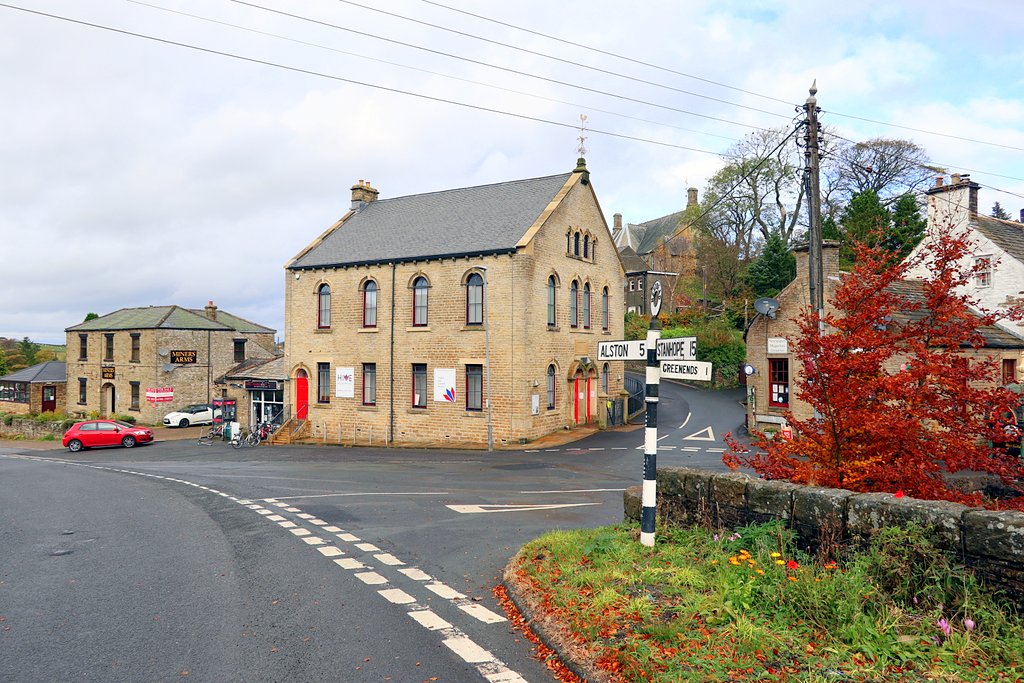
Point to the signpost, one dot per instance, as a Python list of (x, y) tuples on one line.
[(671, 358)]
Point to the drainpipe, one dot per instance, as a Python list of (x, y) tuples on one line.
[(391, 369)]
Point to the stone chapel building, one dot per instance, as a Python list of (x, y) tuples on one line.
[(463, 317)]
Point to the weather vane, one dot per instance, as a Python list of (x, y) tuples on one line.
[(582, 138)]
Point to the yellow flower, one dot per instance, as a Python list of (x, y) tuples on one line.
[(779, 562), (714, 561), (791, 578), (759, 571), (734, 560), (776, 554)]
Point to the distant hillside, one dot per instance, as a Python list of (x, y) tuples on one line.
[(15, 361)]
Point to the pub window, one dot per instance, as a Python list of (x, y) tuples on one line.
[(108, 347), (778, 378), (369, 384), (475, 300), (604, 309), (574, 314), (420, 288), (83, 384), (135, 347), (370, 304), (419, 385), (323, 297), (134, 405), (239, 350), (586, 306), (552, 287), (551, 387), (323, 382), (83, 347), (474, 387)]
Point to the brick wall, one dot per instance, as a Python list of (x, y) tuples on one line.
[(990, 542)]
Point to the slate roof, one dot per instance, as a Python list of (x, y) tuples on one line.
[(47, 372), (167, 318), (631, 262), (1007, 235), (485, 219), (257, 368), (645, 237), (995, 336)]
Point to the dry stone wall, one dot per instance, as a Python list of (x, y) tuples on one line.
[(990, 542)]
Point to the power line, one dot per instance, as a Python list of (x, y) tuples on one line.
[(558, 59), (706, 80), (491, 66), (425, 71), (607, 53), (319, 74)]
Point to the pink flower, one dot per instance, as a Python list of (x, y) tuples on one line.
[(969, 624), (944, 626)]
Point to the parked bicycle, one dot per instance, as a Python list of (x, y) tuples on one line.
[(215, 432)]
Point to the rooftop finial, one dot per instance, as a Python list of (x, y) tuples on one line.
[(582, 149)]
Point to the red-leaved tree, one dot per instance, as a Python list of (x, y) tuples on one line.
[(902, 388)]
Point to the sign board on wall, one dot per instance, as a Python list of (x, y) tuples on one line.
[(444, 385), (778, 345), (261, 384), (108, 372), (181, 357), (160, 394), (344, 382)]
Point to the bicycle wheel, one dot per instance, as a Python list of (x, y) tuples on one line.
[(237, 441), (252, 439)]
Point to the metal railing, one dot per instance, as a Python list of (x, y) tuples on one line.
[(635, 386)]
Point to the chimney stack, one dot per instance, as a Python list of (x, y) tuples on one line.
[(362, 194), (617, 218), (960, 197), (939, 180), (211, 310), (691, 197)]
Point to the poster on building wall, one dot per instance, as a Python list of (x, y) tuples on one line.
[(344, 382), (156, 395), (444, 385), (778, 345)]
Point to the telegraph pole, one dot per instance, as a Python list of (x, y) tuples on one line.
[(813, 192)]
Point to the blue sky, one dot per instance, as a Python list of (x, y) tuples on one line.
[(141, 173)]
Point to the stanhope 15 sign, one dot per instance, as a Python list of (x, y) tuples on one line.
[(681, 348)]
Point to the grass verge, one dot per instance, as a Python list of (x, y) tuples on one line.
[(748, 606)]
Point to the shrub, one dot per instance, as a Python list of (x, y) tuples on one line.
[(130, 419), (8, 419)]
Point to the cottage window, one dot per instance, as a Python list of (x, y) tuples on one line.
[(83, 347), (370, 304), (778, 378), (586, 306), (14, 392), (420, 288), (323, 297), (632, 285), (474, 387), (239, 350), (108, 347), (1009, 371), (82, 391), (552, 286), (574, 314), (475, 300), (369, 384), (135, 347), (551, 387), (419, 385), (323, 382), (983, 271), (134, 405)]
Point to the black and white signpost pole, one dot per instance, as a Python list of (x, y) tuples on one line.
[(649, 496)]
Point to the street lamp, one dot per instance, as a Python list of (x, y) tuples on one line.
[(487, 361)]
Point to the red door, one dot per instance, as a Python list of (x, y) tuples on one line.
[(301, 396), (588, 400)]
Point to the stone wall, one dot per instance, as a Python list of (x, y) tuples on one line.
[(990, 542)]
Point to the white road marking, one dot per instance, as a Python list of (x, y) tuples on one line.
[(388, 559), (270, 500), (620, 448), (577, 491), (367, 547), (348, 537), (362, 493), (292, 510), (429, 620), (469, 651), (415, 574), (667, 448), (276, 518), (255, 506), (313, 540), (687, 420), (706, 434), (300, 532), (532, 450), (716, 450), (305, 515), (371, 578), (552, 450), (474, 509), (397, 596), (282, 505), (332, 529), (264, 511), (595, 449), (287, 525), (444, 591), (349, 563), (318, 522), (504, 675), (330, 551), (482, 613), (690, 449)]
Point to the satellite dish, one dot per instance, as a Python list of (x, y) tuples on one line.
[(164, 352), (766, 307), (168, 367)]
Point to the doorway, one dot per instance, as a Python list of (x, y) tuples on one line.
[(301, 395), (108, 400), (49, 404)]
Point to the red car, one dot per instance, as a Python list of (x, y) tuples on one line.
[(105, 433)]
